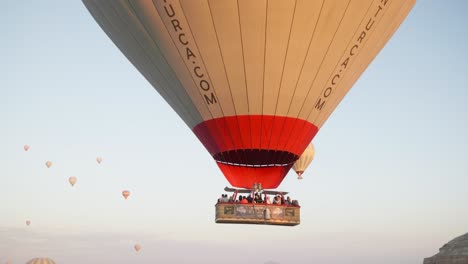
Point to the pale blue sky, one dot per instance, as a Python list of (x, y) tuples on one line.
[(388, 184)]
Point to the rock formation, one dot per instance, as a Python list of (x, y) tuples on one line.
[(454, 252)]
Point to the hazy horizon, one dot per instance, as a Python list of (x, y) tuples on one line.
[(387, 185)]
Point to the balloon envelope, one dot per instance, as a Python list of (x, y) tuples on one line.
[(126, 194), (254, 80), (304, 161), (137, 247), (26, 147), (41, 261), (72, 180), (48, 164)]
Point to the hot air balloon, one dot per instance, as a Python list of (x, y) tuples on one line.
[(99, 160), (303, 162), (137, 247), (26, 147), (126, 194), (48, 164), (28, 222), (254, 80), (41, 261), (72, 180)]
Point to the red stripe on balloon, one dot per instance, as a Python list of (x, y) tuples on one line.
[(244, 132), (240, 142)]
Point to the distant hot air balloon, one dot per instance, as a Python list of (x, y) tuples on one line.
[(72, 180), (48, 164), (254, 80), (41, 261), (26, 147), (137, 247), (28, 222), (99, 160), (303, 162), (126, 194)]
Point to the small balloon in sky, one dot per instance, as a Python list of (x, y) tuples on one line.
[(48, 163), (28, 222), (72, 180), (99, 160), (125, 194), (26, 147), (137, 247), (304, 160)]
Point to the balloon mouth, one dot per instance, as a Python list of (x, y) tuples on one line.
[(299, 175), (257, 158)]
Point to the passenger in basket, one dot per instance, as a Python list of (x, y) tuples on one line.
[(249, 199), (277, 200), (240, 198), (267, 200), (288, 201), (258, 199), (244, 200)]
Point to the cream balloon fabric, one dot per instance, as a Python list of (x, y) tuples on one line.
[(41, 261), (304, 161), (254, 80)]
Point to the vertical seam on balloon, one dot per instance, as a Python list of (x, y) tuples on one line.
[(209, 77), (280, 85), (180, 55), (207, 72), (183, 107), (136, 41), (302, 69), (344, 51), (324, 56), (156, 10), (245, 73), (316, 73), (240, 156), (229, 86), (245, 79), (142, 49), (264, 66), (337, 99), (201, 56)]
